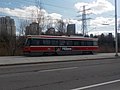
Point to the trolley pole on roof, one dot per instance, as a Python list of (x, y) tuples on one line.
[(116, 34)]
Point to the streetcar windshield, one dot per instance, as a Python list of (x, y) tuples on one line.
[(28, 41)]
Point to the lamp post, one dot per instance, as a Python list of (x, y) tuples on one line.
[(116, 34)]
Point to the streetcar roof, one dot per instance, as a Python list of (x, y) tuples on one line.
[(61, 37)]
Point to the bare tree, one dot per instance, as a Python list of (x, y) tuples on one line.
[(7, 44), (22, 26), (61, 27), (40, 16)]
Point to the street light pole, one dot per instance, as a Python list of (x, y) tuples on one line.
[(116, 34)]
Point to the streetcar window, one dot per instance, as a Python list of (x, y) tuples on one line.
[(54, 42), (62, 42), (46, 42), (89, 43), (35, 42), (69, 43), (82, 43), (95, 43), (40, 42), (76, 43)]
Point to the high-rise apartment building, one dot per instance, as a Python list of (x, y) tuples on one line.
[(33, 29), (7, 26)]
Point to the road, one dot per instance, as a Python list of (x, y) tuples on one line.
[(76, 75)]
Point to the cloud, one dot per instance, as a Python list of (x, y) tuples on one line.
[(96, 7), (72, 21), (25, 12), (30, 12), (99, 24), (102, 25), (55, 16), (102, 21)]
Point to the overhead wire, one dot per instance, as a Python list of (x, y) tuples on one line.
[(29, 18), (42, 3)]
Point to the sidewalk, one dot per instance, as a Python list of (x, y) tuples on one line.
[(22, 60)]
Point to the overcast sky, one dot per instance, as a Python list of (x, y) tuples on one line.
[(100, 11)]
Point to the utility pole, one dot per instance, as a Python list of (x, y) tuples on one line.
[(116, 34), (84, 20)]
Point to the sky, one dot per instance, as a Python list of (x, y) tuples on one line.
[(101, 12)]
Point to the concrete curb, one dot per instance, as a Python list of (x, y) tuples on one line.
[(30, 63)]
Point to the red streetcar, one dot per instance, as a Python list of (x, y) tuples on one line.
[(60, 45)]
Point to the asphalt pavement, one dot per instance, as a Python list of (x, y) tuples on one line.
[(76, 75), (21, 60)]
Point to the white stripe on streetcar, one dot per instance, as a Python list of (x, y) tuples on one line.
[(96, 85)]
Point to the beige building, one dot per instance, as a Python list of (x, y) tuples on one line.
[(50, 31), (7, 26), (33, 29)]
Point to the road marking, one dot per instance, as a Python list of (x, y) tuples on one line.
[(59, 69), (96, 85)]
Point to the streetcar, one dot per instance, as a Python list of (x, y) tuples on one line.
[(59, 45)]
